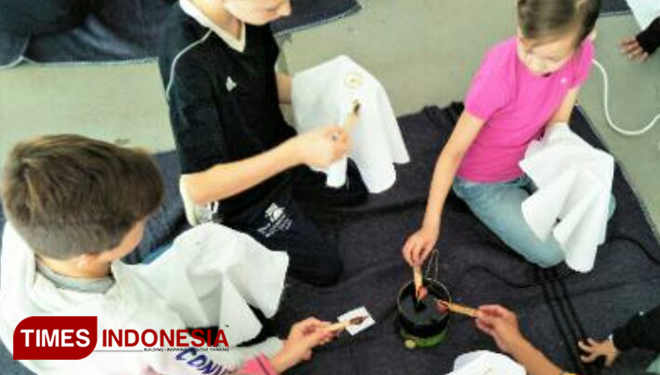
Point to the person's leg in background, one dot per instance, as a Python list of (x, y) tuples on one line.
[(498, 206), (284, 225), (281, 225)]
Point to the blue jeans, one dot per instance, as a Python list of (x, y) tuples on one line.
[(499, 207)]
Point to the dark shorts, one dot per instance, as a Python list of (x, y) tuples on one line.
[(281, 224)]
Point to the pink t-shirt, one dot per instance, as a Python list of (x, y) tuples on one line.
[(516, 106)]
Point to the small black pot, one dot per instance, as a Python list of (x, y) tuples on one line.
[(422, 325)]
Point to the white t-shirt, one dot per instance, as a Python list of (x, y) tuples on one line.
[(207, 278)]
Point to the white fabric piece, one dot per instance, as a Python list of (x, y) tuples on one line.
[(645, 11), (572, 202), (355, 313), (484, 362), (206, 278), (324, 95)]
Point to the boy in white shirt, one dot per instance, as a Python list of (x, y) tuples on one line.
[(76, 206)]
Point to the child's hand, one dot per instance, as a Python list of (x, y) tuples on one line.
[(304, 336), (502, 325), (631, 48), (420, 244), (595, 349), (322, 147)]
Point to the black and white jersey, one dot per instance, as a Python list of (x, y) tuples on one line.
[(223, 103)]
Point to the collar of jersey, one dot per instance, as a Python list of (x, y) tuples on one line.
[(190, 9)]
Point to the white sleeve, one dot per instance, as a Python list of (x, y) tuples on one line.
[(205, 361)]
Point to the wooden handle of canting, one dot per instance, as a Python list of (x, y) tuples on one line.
[(339, 326), (460, 309), (417, 277)]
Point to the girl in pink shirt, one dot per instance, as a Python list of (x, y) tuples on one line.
[(524, 85)]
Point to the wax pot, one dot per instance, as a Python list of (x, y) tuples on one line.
[(421, 324)]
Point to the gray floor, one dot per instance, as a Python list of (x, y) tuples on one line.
[(634, 101), (423, 51)]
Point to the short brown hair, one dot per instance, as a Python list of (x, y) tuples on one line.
[(546, 20), (67, 195)]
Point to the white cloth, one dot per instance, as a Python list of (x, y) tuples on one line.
[(572, 202), (645, 11), (484, 362), (361, 311), (206, 278), (324, 95)]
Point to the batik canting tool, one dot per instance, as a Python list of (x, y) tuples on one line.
[(340, 326), (353, 116), (366, 320), (351, 119), (418, 278), (445, 306)]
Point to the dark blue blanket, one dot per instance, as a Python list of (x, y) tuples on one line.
[(556, 307)]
